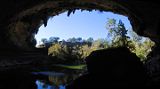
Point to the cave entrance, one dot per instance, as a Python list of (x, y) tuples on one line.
[(25, 25), (80, 33), (70, 40), (87, 29)]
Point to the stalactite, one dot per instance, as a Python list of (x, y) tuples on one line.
[(45, 19), (74, 10), (69, 12)]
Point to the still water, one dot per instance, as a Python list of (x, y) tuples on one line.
[(42, 85), (54, 80)]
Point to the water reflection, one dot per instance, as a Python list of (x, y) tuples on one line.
[(55, 80), (43, 85)]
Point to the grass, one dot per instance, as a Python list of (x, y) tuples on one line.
[(79, 67)]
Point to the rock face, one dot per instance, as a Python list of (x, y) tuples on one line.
[(17, 79), (112, 68), (20, 20), (153, 66)]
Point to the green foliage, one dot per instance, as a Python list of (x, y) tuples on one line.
[(75, 50), (44, 40), (53, 39), (142, 48), (137, 44), (90, 40), (117, 32), (85, 50), (77, 67), (58, 51)]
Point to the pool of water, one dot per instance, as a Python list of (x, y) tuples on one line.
[(43, 85), (54, 80)]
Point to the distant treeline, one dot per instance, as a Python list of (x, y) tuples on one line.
[(74, 50)]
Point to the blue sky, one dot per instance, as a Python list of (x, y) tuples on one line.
[(81, 24)]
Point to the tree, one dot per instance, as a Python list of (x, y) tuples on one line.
[(90, 39), (72, 40), (134, 36), (99, 44), (53, 39), (122, 32), (143, 48), (79, 39), (117, 32), (54, 49), (44, 40), (111, 27), (138, 45), (111, 24), (85, 50)]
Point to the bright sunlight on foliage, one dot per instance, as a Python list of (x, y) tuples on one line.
[(75, 50)]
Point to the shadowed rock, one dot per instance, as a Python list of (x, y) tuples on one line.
[(17, 79), (111, 68)]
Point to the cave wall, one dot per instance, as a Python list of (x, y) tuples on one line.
[(20, 19)]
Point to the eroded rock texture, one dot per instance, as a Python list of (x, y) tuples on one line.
[(21, 19)]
